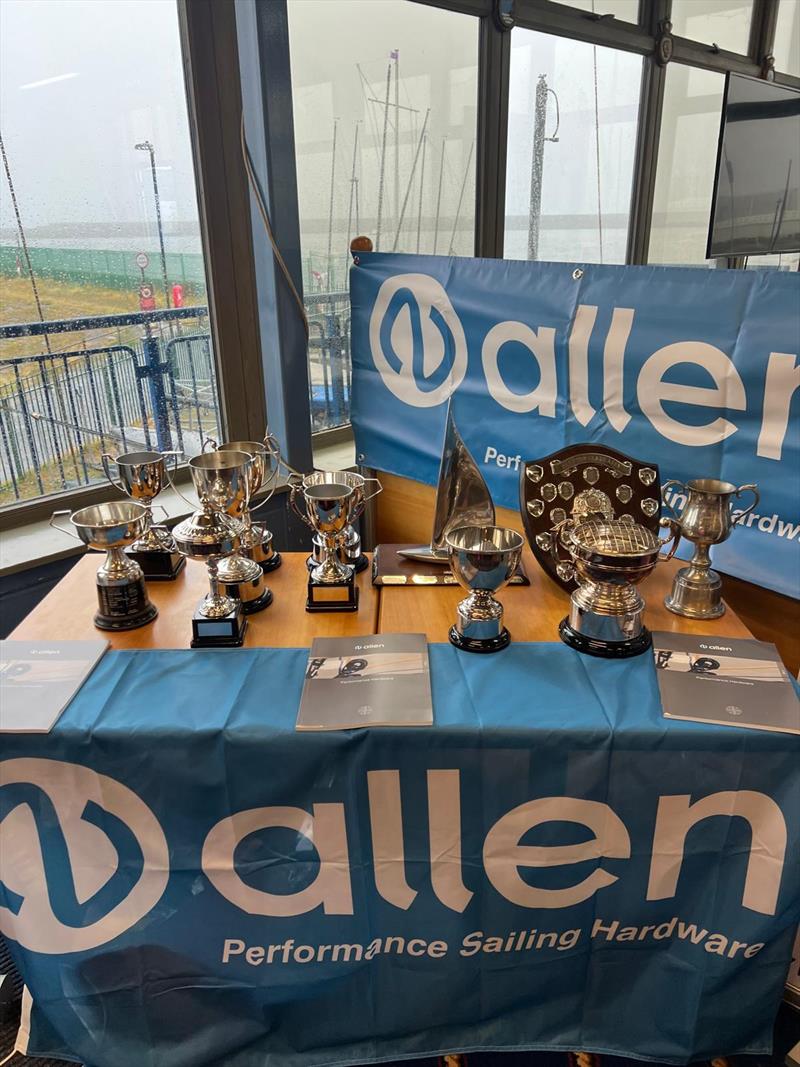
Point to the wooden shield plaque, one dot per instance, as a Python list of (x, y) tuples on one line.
[(582, 480)]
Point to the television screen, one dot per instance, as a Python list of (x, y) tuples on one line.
[(756, 205)]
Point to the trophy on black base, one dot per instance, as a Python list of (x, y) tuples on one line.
[(211, 535), (121, 591), (610, 557), (483, 559), (142, 476), (256, 538), (349, 550), (331, 584)]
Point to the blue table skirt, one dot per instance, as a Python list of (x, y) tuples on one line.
[(134, 953)]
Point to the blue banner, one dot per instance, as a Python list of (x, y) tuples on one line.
[(695, 370), (186, 881)]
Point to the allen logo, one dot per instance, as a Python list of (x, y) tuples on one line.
[(82, 858)]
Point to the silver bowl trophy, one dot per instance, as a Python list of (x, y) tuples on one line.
[(349, 549), (256, 538), (705, 519), (483, 560), (327, 510), (123, 602), (142, 476), (610, 557), (211, 535)]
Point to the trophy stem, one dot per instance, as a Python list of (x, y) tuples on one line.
[(215, 605), (697, 590), (700, 563), (117, 566)]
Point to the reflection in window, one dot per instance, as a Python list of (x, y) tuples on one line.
[(725, 23), (787, 38), (96, 149), (385, 117), (624, 10), (573, 111), (776, 261), (687, 157)]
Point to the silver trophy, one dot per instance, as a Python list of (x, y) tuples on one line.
[(123, 601), (462, 497), (210, 536), (142, 476), (610, 556), (483, 560), (327, 510), (256, 538), (705, 520), (350, 545)]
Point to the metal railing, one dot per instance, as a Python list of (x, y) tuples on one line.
[(134, 381)]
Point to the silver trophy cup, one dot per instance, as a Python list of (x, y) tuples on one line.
[(705, 519), (327, 510), (610, 557), (349, 549), (142, 476), (211, 536), (256, 538), (483, 559), (123, 601)]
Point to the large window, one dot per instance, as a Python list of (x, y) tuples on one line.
[(99, 234), (724, 23), (385, 118), (572, 119)]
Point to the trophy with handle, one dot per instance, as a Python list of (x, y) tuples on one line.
[(123, 601), (350, 545), (256, 543), (141, 476), (327, 510), (705, 519), (213, 534)]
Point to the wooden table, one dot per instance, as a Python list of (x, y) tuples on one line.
[(532, 613), (67, 611)]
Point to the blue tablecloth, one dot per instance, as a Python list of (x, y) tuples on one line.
[(186, 881)]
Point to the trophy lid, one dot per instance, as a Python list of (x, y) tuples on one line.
[(613, 537)]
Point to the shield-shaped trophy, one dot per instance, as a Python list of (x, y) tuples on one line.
[(579, 481)]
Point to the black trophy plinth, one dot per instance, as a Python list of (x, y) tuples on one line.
[(124, 605), (593, 646), (159, 565), (332, 596), (225, 632), (481, 645), (271, 563)]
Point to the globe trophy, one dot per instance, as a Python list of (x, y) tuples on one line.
[(211, 535), (610, 557), (141, 476), (123, 602), (705, 520), (483, 560), (327, 511)]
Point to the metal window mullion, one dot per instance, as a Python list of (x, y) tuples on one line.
[(706, 56), (494, 59), (762, 30), (550, 17)]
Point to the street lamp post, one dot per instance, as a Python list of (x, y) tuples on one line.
[(146, 146)]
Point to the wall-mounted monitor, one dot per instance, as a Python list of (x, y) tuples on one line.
[(756, 205)]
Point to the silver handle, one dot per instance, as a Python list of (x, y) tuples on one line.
[(756, 497), (672, 540), (105, 458), (54, 524)]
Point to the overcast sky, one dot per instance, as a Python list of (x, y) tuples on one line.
[(81, 82)]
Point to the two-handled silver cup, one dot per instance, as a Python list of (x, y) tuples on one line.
[(327, 510), (610, 557), (483, 559), (256, 541), (211, 536), (705, 519), (123, 601), (349, 549), (141, 476)]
